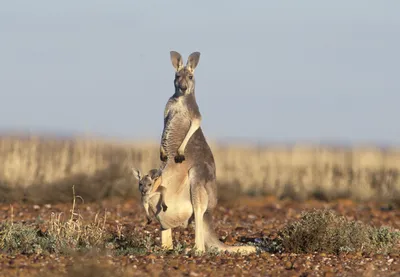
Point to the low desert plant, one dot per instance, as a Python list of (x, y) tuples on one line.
[(324, 231), (25, 239), (71, 235), (55, 235), (132, 243)]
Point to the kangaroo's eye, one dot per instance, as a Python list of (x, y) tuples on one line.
[(190, 77)]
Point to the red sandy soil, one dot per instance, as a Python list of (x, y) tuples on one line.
[(247, 217)]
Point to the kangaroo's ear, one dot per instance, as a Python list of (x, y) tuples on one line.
[(176, 60), (154, 174), (136, 172), (193, 60)]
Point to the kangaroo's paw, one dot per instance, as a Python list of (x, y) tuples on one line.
[(179, 158), (163, 157)]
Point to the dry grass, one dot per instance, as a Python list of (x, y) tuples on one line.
[(324, 231), (69, 236), (53, 236), (73, 233), (98, 169)]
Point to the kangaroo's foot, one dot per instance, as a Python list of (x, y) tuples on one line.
[(166, 239), (198, 252)]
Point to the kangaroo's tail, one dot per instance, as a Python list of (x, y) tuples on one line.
[(211, 239)]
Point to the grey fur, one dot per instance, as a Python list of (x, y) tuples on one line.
[(176, 60), (146, 184), (189, 172), (193, 60)]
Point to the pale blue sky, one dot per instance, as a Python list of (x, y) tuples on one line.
[(269, 70)]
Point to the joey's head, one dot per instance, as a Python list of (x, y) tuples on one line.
[(146, 182), (184, 75)]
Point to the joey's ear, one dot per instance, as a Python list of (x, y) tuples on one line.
[(136, 172), (193, 60), (154, 174), (176, 60)]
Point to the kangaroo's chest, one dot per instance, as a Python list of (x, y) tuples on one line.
[(177, 125)]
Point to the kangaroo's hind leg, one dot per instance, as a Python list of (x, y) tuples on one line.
[(199, 199)]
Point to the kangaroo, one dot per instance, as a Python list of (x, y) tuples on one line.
[(188, 165), (147, 188)]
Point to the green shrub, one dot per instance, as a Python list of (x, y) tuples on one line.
[(25, 239), (324, 231)]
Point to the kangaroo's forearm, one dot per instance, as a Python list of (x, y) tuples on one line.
[(194, 125), (163, 153), (146, 208), (162, 193)]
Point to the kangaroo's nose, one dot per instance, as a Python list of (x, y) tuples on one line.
[(183, 85)]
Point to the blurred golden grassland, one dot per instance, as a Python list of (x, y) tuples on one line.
[(44, 170)]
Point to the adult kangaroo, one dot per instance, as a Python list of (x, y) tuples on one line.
[(188, 166)]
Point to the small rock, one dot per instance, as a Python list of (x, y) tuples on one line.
[(174, 263), (240, 228), (229, 239), (152, 257), (326, 268), (288, 265), (265, 255)]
